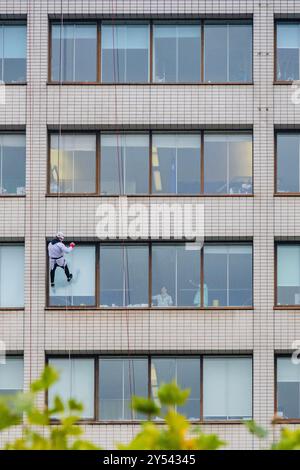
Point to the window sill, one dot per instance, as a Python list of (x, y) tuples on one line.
[(11, 309), (15, 83), (286, 194), (93, 195), (151, 84), (285, 421), (283, 82), (158, 422), (12, 195), (144, 309), (286, 307)]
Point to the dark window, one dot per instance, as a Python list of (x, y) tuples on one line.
[(125, 53), (74, 52), (119, 380), (124, 275), (73, 163), (227, 163), (176, 163), (227, 52), (288, 49), (288, 274), (176, 53), (288, 388), (12, 164), (288, 163), (228, 275), (124, 164)]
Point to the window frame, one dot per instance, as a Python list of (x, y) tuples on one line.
[(149, 244), (18, 21), (148, 356), (17, 355), (16, 132), (150, 133), (276, 23), (18, 242), (276, 305), (151, 22), (278, 419), (276, 133)]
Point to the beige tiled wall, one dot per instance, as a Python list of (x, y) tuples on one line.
[(262, 106)]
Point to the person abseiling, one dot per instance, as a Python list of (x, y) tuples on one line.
[(57, 250)]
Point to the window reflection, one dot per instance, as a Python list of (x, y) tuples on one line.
[(13, 53), (288, 274), (288, 163), (125, 53), (288, 49), (12, 164), (124, 164), (119, 380), (227, 163), (185, 371), (74, 52), (227, 52), (12, 261), (288, 389), (176, 163), (176, 53), (73, 163), (228, 274), (11, 376), (175, 276), (124, 275)]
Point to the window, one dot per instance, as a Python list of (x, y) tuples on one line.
[(176, 164), (227, 52), (288, 388), (227, 388), (73, 163), (81, 291), (288, 50), (288, 163), (73, 373), (288, 274), (227, 163), (11, 268), (223, 388), (12, 164), (228, 274), (74, 52), (13, 53), (125, 53), (176, 53), (124, 164), (119, 380), (124, 276), (175, 276), (11, 375), (185, 371)]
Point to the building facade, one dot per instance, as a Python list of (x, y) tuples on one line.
[(192, 102)]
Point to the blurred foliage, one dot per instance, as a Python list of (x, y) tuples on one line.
[(164, 428)]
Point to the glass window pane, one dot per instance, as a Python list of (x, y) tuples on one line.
[(228, 52), (288, 388), (288, 274), (119, 380), (175, 276), (76, 380), (176, 53), (125, 53), (12, 163), (14, 53), (124, 276), (288, 46), (11, 375), (288, 163), (81, 290), (124, 164), (228, 275), (73, 163), (74, 52), (11, 267), (185, 371), (227, 163), (227, 388), (176, 163)]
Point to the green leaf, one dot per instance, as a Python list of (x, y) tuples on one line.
[(256, 430), (171, 394), (75, 405), (145, 406), (48, 378)]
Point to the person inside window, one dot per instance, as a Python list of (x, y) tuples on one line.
[(163, 299)]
